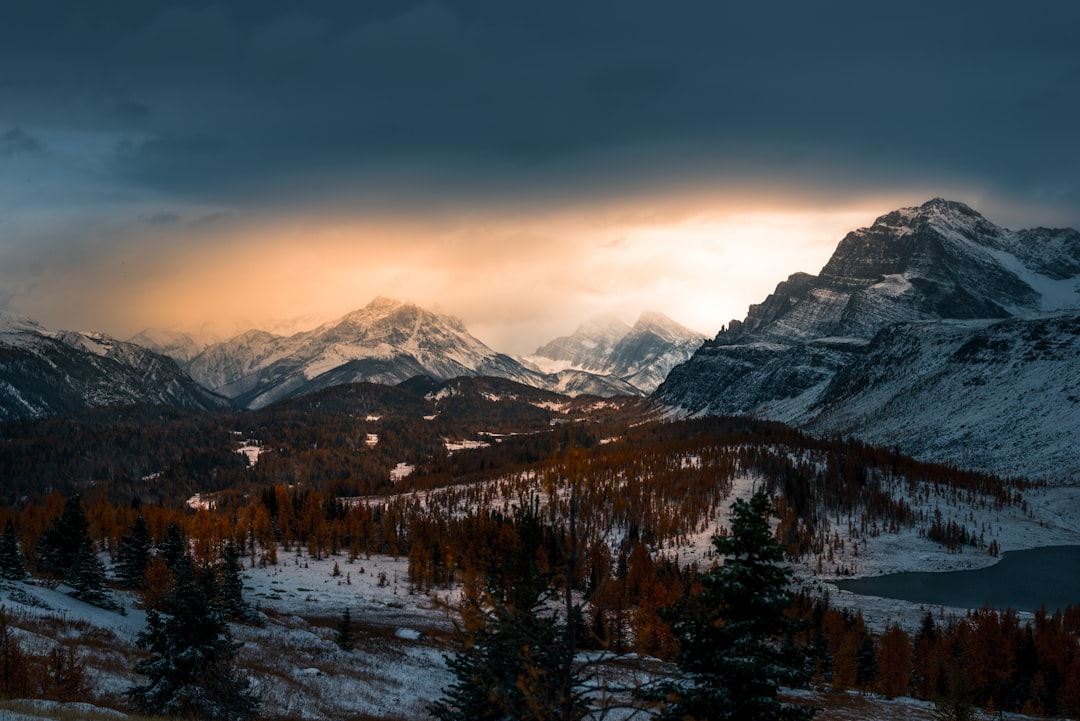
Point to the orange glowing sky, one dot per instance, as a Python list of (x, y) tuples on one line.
[(523, 166), (517, 279)]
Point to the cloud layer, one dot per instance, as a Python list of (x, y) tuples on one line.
[(517, 136)]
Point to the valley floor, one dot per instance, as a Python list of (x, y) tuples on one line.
[(398, 668)]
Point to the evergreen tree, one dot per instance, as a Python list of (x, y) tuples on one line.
[(344, 636), (11, 558), (173, 546), (87, 576), (232, 587), (510, 661), (133, 556), (192, 672), (61, 543), (735, 648)]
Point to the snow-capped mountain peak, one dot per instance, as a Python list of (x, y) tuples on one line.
[(640, 355), (12, 322), (902, 306)]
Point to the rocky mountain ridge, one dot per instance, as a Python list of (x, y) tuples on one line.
[(874, 346), (388, 342), (640, 355), (46, 372)]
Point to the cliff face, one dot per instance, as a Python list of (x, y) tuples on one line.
[(939, 271)]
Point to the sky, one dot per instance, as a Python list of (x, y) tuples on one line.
[(523, 166)]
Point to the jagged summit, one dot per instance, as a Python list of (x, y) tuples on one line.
[(938, 260), (588, 347), (919, 283), (641, 355)]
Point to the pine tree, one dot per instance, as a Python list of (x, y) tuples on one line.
[(133, 556), (957, 703), (192, 672), (512, 649), (61, 543), (11, 558), (344, 636), (87, 576), (232, 587), (173, 546), (735, 647)]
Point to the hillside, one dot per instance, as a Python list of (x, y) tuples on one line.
[(45, 372)]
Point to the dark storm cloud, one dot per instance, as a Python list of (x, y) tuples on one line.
[(17, 141), (381, 100), (162, 217)]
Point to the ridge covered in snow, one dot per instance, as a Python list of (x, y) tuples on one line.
[(640, 355), (933, 329)]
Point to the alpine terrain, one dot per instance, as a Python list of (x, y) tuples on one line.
[(641, 355), (933, 330), (387, 342), (45, 372)]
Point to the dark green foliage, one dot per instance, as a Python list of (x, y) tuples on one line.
[(133, 555), (512, 658), (11, 558), (508, 669), (66, 550), (174, 547), (62, 542), (344, 637), (232, 588), (87, 576), (734, 638), (192, 672)]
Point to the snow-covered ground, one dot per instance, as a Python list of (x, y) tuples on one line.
[(398, 667)]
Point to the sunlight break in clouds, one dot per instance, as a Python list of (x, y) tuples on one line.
[(516, 280)]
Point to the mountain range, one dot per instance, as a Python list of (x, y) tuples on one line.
[(390, 341), (44, 372), (641, 355), (932, 330)]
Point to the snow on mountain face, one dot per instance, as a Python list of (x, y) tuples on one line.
[(1000, 395), (178, 345), (386, 342), (808, 353), (43, 373), (588, 347), (640, 356)]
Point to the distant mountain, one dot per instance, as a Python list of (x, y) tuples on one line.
[(178, 345), (930, 312), (387, 342), (640, 356), (588, 348), (45, 372)]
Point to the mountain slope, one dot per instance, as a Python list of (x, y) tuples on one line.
[(884, 307), (983, 394), (43, 373), (640, 356), (386, 342)]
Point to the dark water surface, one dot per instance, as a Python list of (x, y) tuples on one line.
[(1022, 580)]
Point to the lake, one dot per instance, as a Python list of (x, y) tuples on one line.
[(1022, 580)]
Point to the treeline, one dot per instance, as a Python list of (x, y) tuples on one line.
[(343, 441), (988, 658), (325, 487), (624, 588)]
